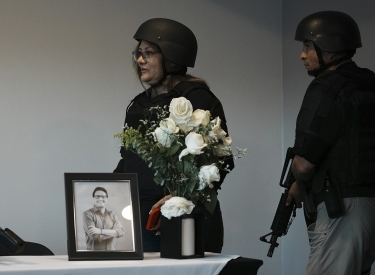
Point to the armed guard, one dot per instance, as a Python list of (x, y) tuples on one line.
[(335, 146)]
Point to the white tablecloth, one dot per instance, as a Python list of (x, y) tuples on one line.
[(152, 264)]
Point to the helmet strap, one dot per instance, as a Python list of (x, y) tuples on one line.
[(319, 54), (323, 65)]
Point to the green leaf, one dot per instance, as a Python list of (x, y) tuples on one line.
[(180, 166), (210, 205), (187, 167), (163, 150), (172, 150), (191, 186), (158, 179)]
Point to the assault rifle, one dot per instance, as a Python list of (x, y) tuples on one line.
[(285, 214)]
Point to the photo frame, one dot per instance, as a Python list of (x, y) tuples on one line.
[(103, 216)]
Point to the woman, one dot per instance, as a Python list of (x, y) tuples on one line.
[(165, 49)]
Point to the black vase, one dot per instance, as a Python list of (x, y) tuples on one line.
[(172, 236)]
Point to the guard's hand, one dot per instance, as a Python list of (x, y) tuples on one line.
[(294, 194)]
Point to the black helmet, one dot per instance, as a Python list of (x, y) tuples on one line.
[(176, 41), (331, 31)]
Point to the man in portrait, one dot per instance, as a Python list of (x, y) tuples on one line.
[(101, 225)]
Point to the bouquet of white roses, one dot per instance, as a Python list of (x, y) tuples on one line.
[(186, 149)]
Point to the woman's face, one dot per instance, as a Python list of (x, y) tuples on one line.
[(150, 63)]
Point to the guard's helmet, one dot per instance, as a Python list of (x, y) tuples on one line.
[(331, 31), (176, 41)]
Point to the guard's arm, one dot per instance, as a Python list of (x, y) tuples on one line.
[(303, 170)]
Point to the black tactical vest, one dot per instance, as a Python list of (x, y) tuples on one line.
[(350, 162)]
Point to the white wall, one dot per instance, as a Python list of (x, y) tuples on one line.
[(295, 82), (66, 79)]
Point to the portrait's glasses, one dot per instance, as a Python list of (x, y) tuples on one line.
[(100, 197), (145, 55)]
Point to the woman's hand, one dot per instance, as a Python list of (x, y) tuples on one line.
[(157, 226), (158, 205), (160, 202)]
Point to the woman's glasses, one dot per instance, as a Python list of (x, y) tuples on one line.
[(145, 55)]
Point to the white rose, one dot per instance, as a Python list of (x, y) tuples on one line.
[(216, 129), (216, 134), (180, 110), (163, 133), (227, 141), (208, 174), (223, 148), (176, 206), (186, 128), (199, 117), (194, 145)]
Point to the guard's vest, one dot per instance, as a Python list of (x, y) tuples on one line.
[(351, 160)]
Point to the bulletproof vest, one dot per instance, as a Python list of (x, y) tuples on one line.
[(350, 162), (136, 108)]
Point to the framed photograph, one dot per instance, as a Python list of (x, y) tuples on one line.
[(103, 216)]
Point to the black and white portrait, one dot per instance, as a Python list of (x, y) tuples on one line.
[(103, 216)]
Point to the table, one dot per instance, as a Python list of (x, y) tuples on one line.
[(212, 263)]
